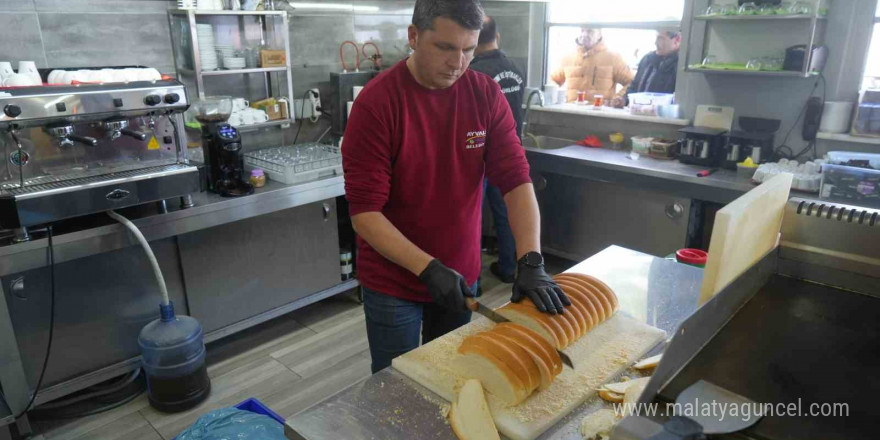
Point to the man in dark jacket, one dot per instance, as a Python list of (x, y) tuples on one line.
[(489, 59), (658, 69)]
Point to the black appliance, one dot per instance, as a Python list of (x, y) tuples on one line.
[(755, 139), (795, 56), (701, 146), (222, 146)]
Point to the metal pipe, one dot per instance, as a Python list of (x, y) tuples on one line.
[(528, 107)]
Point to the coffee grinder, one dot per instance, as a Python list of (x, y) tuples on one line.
[(221, 143)]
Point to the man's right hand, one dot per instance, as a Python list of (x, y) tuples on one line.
[(446, 286)]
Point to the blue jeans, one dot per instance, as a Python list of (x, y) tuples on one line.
[(393, 325), (503, 233)]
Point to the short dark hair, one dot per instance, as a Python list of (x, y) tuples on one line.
[(466, 13), (487, 35)]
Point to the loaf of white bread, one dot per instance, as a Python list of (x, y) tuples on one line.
[(514, 359), (592, 302)]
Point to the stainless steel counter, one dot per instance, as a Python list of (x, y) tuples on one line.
[(389, 405), (614, 166), (210, 210)]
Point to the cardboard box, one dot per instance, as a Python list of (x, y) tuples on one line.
[(271, 107), (273, 58)]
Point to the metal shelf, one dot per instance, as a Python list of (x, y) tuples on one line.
[(221, 72), (756, 17), (845, 137), (735, 43), (273, 27), (255, 127), (224, 12), (778, 74)]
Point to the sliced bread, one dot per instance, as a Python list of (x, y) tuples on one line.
[(470, 417)]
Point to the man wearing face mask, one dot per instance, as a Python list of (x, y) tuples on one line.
[(419, 141), (593, 69), (658, 69)]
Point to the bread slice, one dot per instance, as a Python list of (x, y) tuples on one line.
[(607, 305), (598, 285), (597, 308), (575, 326), (496, 377), (532, 338), (538, 321), (578, 299), (604, 305), (470, 417), (577, 303), (518, 355), (606, 289), (544, 375), (564, 321), (609, 396), (578, 313), (647, 364), (505, 355)]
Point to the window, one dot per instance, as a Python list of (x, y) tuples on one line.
[(629, 27), (872, 69)]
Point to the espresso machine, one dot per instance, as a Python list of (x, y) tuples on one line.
[(701, 146), (221, 144), (77, 149)]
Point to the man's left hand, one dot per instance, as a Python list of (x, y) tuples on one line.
[(618, 102), (534, 283)]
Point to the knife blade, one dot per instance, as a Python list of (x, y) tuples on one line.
[(476, 306)]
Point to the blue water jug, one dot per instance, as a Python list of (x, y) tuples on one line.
[(173, 354)]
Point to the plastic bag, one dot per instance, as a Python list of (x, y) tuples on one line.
[(233, 424)]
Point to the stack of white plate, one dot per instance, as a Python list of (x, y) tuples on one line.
[(209, 4), (225, 51), (233, 63), (207, 51)]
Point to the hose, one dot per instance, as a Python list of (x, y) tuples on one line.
[(357, 54), (153, 262), (51, 325), (376, 58)]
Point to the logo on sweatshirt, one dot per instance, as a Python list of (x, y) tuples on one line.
[(475, 139)]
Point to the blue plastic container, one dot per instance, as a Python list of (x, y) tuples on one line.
[(173, 354)]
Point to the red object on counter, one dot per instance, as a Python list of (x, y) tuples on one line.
[(590, 141), (705, 173), (694, 257)]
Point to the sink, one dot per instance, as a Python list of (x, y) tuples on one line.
[(546, 142)]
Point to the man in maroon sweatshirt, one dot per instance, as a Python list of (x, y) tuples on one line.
[(420, 138)]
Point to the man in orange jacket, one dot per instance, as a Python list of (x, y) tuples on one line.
[(593, 69)]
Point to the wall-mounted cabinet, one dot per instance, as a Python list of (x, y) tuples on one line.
[(727, 38)]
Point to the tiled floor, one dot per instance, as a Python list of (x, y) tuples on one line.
[(289, 363)]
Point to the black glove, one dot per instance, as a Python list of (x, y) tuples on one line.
[(446, 286), (534, 283)]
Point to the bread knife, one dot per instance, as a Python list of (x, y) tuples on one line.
[(475, 306)]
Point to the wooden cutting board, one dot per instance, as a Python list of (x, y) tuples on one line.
[(745, 230), (600, 355)]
